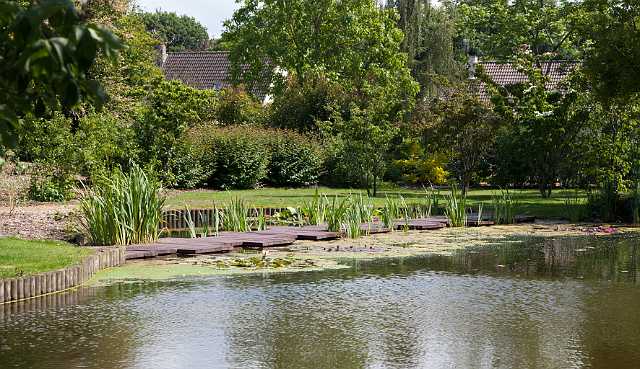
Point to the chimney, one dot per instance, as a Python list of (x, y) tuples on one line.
[(473, 61), (162, 54)]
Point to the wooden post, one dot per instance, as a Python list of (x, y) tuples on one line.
[(35, 286), (1, 292), (20, 288), (26, 287)]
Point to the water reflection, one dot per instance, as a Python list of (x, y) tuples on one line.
[(565, 303)]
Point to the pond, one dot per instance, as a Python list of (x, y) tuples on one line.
[(534, 303)]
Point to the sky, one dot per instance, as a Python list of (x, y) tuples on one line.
[(211, 13)]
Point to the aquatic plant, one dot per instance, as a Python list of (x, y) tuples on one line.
[(122, 209), (432, 201), (235, 216), (315, 210), (503, 207), (260, 223), (186, 214), (455, 207), (390, 212), (574, 206), (335, 214), (404, 213)]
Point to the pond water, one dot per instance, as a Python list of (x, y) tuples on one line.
[(564, 303)]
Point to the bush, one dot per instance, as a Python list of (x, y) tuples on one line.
[(296, 160), (232, 157), (186, 169), (238, 107), (51, 187)]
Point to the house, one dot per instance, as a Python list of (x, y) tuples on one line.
[(505, 74), (202, 70)]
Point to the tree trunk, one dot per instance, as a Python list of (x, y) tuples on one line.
[(375, 186)]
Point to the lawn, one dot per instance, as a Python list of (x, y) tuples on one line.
[(21, 257), (529, 202)]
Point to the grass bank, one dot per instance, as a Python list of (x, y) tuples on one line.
[(529, 202), (22, 257)]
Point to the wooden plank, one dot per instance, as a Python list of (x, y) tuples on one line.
[(524, 219), (204, 249), (301, 233), (139, 255)]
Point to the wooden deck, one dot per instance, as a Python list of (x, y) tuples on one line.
[(277, 236)]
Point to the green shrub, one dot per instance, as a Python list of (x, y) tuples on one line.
[(123, 209), (186, 169), (232, 157), (238, 107), (50, 188), (296, 160)]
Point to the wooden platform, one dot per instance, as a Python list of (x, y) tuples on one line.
[(310, 233), (282, 236), (420, 225)]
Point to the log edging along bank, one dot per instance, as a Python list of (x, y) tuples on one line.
[(22, 288)]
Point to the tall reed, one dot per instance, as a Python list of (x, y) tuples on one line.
[(390, 212), (186, 214), (574, 207), (235, 216), (315, 211), (336, 213), (503, 207), (123, 209), (455, 207)]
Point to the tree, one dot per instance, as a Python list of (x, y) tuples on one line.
[(495, 28), (179, 33), (543, 125), (612, 55), (463, 128), (46, 51), (363, 141), (353, 42), (430, 43)]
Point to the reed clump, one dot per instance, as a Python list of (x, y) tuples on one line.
[(123, 209)]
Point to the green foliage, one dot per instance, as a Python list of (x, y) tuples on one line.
[(462, 129), (336, 213), (362, 141), (235, 216), (612, 53), (177, 32), (47, 50), (234, 157), (456, 207), (390, 212), (503, 207), (296, 160), (186, 168), (96, 145), (495, 28), (430, 36), (236, 106), (172, 108), (574, 207), (543, 125), (355, 42), (414, 166), (122, 209), (301, 106), (50, 187), (315, 211)]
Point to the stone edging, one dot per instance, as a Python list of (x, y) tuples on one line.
[(16, 289)]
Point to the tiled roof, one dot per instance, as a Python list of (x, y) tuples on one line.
[(505, 74), (202, 70)]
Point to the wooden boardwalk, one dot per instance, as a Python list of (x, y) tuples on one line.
[(277, 236)]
